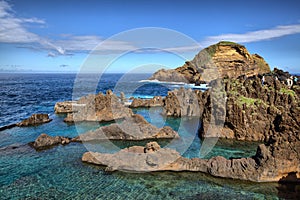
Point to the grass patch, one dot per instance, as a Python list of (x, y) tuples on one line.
[(287, 92), (228, 43), (249, 101), (244, 100), (211, 50)]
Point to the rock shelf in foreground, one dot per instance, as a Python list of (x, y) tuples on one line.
[(263, 167)]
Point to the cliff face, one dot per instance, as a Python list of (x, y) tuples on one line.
[(257, 112), (224, 59)]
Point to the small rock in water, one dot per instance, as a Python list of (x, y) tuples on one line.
[(35, 119)]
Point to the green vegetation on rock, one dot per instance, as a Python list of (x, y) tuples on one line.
[(211, 50), (228, 43), (248, 101), (287, 92)]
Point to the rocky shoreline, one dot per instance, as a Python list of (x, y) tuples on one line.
[(246, 101), (263, 167)]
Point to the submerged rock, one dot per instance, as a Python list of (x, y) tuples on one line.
[(35, 119), (131, 128)]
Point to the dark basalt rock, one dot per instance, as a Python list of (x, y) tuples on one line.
[(256, 112), (266, 111)]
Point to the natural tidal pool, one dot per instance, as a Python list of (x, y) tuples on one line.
[(59, 173)]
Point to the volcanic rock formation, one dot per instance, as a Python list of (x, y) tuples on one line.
[(224, 59), (100, 107), (35, 119), (131, 128)]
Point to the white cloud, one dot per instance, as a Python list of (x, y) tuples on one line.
[(255, 36), (13, 30), (51, 54), (4, 8)]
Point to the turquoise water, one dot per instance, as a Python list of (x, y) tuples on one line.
[(58, 173)]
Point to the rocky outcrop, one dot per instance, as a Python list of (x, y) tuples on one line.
[(225, 59), (256, 112), (154, 102), (263, 167), (100, 107), (35, 119), (131, 128), (253, 110), (45, 141), (67, 107), (243, 108), (140, 159), (184, 102)]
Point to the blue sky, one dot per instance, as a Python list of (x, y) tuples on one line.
[(58, 36)]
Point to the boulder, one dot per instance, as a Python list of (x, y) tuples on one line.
[(151, 147), (35, 119), (131, 128), (45, 141)]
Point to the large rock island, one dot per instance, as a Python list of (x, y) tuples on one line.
[(224, 59)]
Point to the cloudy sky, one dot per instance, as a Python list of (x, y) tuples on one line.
[(58, 36)]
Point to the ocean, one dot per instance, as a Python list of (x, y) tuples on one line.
[(58, 173)]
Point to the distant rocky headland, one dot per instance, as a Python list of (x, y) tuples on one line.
[(224, 59), (245, 98)]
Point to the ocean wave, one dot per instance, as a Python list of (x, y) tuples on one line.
[(162, 82), (177, 84)]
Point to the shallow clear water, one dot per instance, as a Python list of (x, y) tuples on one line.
[(58, 173)]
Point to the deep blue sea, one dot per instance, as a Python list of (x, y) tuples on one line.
[(58, 173)]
